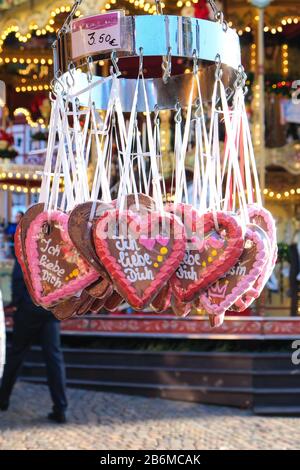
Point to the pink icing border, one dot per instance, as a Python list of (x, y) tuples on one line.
[(82, 281), (123, 286), (248, 297), (242, 286), (222, 264)]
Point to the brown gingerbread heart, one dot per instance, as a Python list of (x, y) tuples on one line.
[(113, 302), (162, 301), (80, 231), (68, 308), (181, 309)]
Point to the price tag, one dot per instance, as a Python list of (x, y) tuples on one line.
[(96, 34)]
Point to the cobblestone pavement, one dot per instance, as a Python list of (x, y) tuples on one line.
[(104, 421)]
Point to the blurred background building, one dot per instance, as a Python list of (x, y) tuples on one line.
[(270, 38)]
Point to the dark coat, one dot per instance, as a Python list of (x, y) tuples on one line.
[(294, 284)]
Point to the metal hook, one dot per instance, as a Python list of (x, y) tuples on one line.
[(52, 94), (114, 59), (178, 116), (156, 115), (167, 66), (219, 16), (141, 63), (58, 81)]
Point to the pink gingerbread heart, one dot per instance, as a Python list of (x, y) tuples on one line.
[(227, 290)]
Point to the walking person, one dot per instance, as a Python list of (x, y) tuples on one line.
[(2, 337), (31, 322)]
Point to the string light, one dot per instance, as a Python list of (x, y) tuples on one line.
[(28, 118), (28, 60), (282, 195), (285, 59), (30, 88), (43, 30), (253, 57), (147, 6), (19, 175), (21, 189), (256, 104)]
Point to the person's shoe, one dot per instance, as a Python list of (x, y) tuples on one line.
[(4, 405), (57, 417)]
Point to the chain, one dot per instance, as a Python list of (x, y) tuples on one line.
[(218, 14), (213, 6), (69, 18), (159, 8)]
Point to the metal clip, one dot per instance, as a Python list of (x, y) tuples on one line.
[(219, 71), (89, 74), (195, 62), (115, 69), (198, 110), (241, 78), (71, 69), (167, 66), (77, 104), (141, 62)]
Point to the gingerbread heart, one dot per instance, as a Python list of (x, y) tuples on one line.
[(139, 203), (113, 302), (97, 306), (57, 270), (263, 218), (139, 272), (181, 309), (68, 308), (210, 252), (85, 308), (162, 301), (227, 290), (19, 241), (81, 219), (80, 231), (100, 289)]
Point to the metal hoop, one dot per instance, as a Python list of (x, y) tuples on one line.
[(158, 35)]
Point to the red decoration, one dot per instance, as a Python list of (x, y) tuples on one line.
[(201, 10), (6, 137)]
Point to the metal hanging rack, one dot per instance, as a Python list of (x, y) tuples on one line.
[(159, 36)]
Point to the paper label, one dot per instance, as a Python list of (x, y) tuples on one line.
[(96, 34)]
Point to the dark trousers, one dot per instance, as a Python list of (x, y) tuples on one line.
[(29, 324)]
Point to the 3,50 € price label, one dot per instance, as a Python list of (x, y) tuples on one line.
[(96, 34)]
